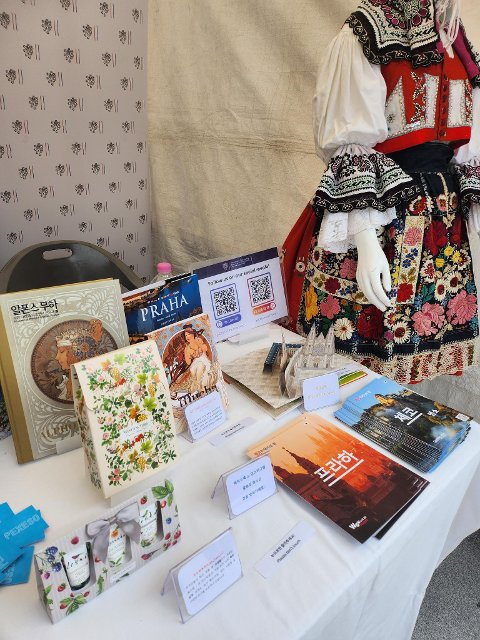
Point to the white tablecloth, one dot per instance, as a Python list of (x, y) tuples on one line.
[(333, 587)]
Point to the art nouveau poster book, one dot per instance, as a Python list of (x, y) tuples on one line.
[(42, 333), (357, 487), (420, 431), (122, 403), (190, 359)]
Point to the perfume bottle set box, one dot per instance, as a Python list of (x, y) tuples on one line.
[(91, 559)]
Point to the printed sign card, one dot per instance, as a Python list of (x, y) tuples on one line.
[(204, 415), (247, 485), (242, 293), (284, 549), (219, 439), (321, 391), (204, 575)]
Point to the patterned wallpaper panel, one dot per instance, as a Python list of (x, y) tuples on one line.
[(73, 126)]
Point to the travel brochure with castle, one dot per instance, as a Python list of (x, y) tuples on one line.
[(420, 431), (357, 487)]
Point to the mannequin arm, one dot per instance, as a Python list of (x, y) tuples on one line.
[(373, 270)]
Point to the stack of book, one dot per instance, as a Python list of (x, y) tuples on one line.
[(420, 431)]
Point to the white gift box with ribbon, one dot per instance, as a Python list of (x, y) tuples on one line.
[(112, 546)]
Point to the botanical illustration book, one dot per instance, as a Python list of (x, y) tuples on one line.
[(354, 485), (42, 333), (420, 431), (123, 407), (190, 360)]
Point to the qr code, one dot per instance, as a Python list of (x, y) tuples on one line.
[(225, 301), (260, 289)]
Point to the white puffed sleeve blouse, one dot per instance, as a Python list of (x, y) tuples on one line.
[(349, 120)]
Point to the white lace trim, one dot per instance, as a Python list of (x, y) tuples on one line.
[(474, 218), (338, 230)]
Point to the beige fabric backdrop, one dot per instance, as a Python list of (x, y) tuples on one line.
[(230, 90), (232, 154)]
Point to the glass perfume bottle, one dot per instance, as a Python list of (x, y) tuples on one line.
[(148, 524), (117, 545), (77, 567)]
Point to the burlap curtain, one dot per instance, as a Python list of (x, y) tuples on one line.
[(232, 155), (230, 90)]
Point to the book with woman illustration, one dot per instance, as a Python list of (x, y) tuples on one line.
[(189, 356)]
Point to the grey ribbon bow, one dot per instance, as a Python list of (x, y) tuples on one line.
[(99, 530)]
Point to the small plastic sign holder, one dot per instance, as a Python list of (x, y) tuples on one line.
[(204, 416), (203, 576), (321, 391), (247, 485)]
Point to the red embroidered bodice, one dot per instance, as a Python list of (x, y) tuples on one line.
[(427, 104)]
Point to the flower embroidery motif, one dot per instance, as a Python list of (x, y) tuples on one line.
[(400, 332), (435, 237), (332, 285), (405, 292), (311, 306), (348, 269), (455, 282), (370, 323), (329, 307), (413, 236), (428, 321), (418, 205), (343, 329), (461, 308)]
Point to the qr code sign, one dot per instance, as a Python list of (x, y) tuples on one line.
[(225, 301), (260, 289)]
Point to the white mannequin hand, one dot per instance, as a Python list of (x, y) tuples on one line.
[(373, 270)]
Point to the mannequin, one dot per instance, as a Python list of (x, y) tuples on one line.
[(373, 273), (381, 252)]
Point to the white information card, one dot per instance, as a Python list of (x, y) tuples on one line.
[(248, 485), (219, 439), (204, 415), (204, 575), (284, 549), (321, 391)]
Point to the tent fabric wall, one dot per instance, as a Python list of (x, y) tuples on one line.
[(232, 154), (230, 90)]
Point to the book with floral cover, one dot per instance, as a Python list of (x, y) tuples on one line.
[(122, 403)]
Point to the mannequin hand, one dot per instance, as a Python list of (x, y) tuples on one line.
[(373, 270)]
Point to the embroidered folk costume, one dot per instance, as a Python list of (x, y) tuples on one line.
[(397, 121)]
